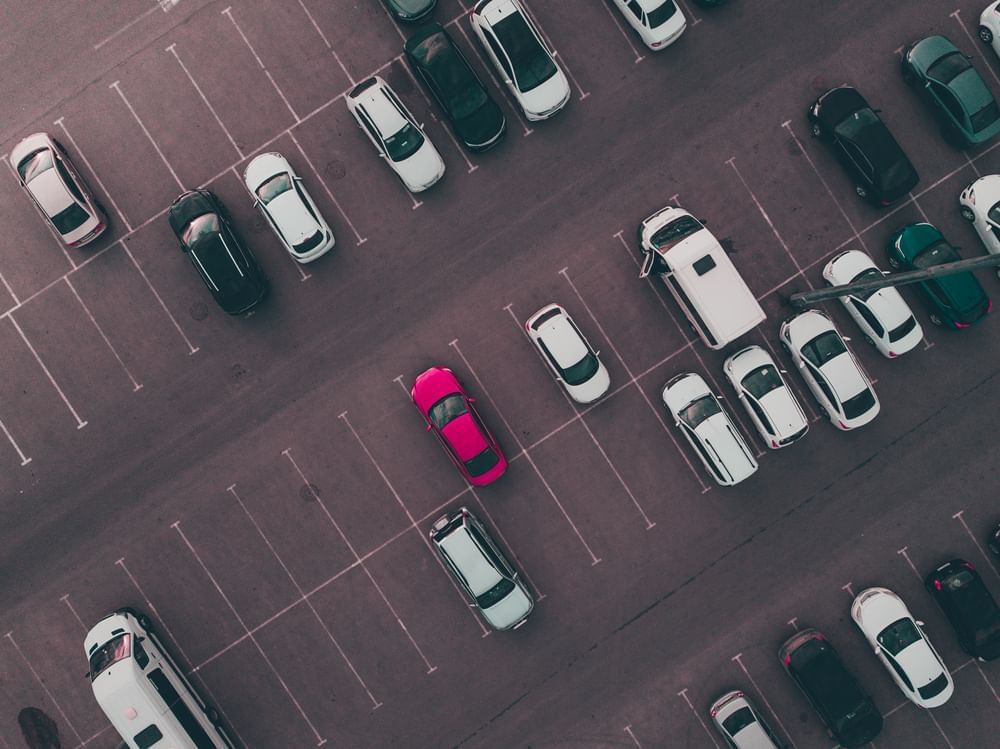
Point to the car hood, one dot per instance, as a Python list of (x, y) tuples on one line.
[(482, 126), (423, 168), (547, 96), (432, 385), (838, 103), (928, 51), (512, 609), (846, 267), (593, 388), (912, 239), (292, 217), (465, 437)]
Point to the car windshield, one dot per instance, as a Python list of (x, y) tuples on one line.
[(404, 143), (985, 117), (662, 14), (900, 634), (739, 720), (112, 651), (271, 189), (201, 227), (532, 63), (481, 463), (495, 594), (70, 218), (452, 76), (309, 242), (582, 371), (934, 688), (675, 231), (948, 67), (762, 381), (824, 347), (697, 411), (446, 409), (34, 164), (868, 274), (897, 333), (859, 404)]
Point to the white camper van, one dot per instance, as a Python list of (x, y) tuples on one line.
[(145, 695), (700, 276)]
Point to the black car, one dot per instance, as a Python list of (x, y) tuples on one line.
[(972, 611), (410, 11), (474, 116), (204, 228), (881, 171), (849, 713)]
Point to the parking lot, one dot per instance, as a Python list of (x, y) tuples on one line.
[(263, 486)]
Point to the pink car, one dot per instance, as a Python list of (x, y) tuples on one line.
[(449, 412)]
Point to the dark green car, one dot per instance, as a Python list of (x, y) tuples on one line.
[(969, 114), (958, 300)]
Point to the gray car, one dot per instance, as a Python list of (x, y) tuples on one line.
[(741, 725), (481, 569)]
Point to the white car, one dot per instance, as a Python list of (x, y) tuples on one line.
[(395, 133), (659, 23), (740, 724), (569, 355), (58, 191), (902, 646), (989, 26), (277, 190), (766, 397), (526, 65), (698, 414), (980, 205), (830, 370), (885, 319)]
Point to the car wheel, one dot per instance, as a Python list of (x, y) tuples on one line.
[(986, 35), (967, 213), (936, 320), (861, 191), (817, 130), (893, 262)]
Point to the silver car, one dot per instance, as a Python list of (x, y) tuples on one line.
[(481, 569), (741, 726)]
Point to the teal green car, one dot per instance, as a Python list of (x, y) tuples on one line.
[(969, 114), (958, 300)]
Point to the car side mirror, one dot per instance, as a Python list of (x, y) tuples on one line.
[(877, 111), (783, 371), (802, 365), (846, 339), (919, 623), (471, 399), (968, 57), (428, 427), (703, 221)]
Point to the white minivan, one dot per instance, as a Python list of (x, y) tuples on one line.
[(140, 688), (699, 275)]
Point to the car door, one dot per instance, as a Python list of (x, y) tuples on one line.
[(499, 59), (368, 127), (857, 162), (866, 319)]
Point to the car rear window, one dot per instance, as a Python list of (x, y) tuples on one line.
[(116, 649), (985, 117), (934, 688), (481, 463), (70, 218), (309, 243), (662, 14), (495, 594), (739, 720), (859, 404), (582, 371), (897, 333)]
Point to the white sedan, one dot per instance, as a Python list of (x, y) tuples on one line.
[(901, 645), (396, 134), (766, 397), (659, 23), (569, 355), (277, 190), (522, 58), (980, 205), (830, 370), (884, 317), (989, 26)]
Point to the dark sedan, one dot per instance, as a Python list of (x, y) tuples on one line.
[(969, 606), (474, 115), (410, 11), (229, 270), (881, 171)]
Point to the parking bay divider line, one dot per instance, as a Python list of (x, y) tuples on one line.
[(738, 660), (960, 517), (327, 42), (683, 695), (172, 49), (136, 386), (80, 423), (638, 58), (17, 448), (116, 85), (555, 53)]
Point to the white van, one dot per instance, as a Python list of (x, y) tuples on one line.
[(700, 276), (145, 695)]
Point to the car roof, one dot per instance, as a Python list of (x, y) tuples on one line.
[(465, 436), (50, 191), (562, 340), (465, 554)]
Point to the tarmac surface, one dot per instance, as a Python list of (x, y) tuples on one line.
[(263, 487)]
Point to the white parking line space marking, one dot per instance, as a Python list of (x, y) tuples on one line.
[(118, 89), (61, 122), (687, 12), (136, 386), (287, 452), (48, 225), (687, 700), (793, 623), (80, 423), (583, 422), (628, 38), (960, 517), (17, 448), (327, 43), (920, 210), (413, 522), (937, 725), (628, 732), (957, 15), (126, 27), (848, 588), (360, 240), (191, 348), (176, 525), (902, 553), (555, 53), (787, 124), (594, 559), (228, 12), (975, 169), (106, 728), (392, 21), (65, 599), (898, 707), (777, 235), (333, 640), (6, 285), (172, 49), (738, 659), (41, 683)]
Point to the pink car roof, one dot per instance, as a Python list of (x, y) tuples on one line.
[(465, 437)]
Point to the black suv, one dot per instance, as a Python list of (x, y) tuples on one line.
[(229, 270), (849, 713), (863, 144), (440, 64), (972, 611)]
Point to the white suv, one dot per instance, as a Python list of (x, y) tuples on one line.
[(395, 133), (707, 426), (516, 48), (569, 355), (766, 397)]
